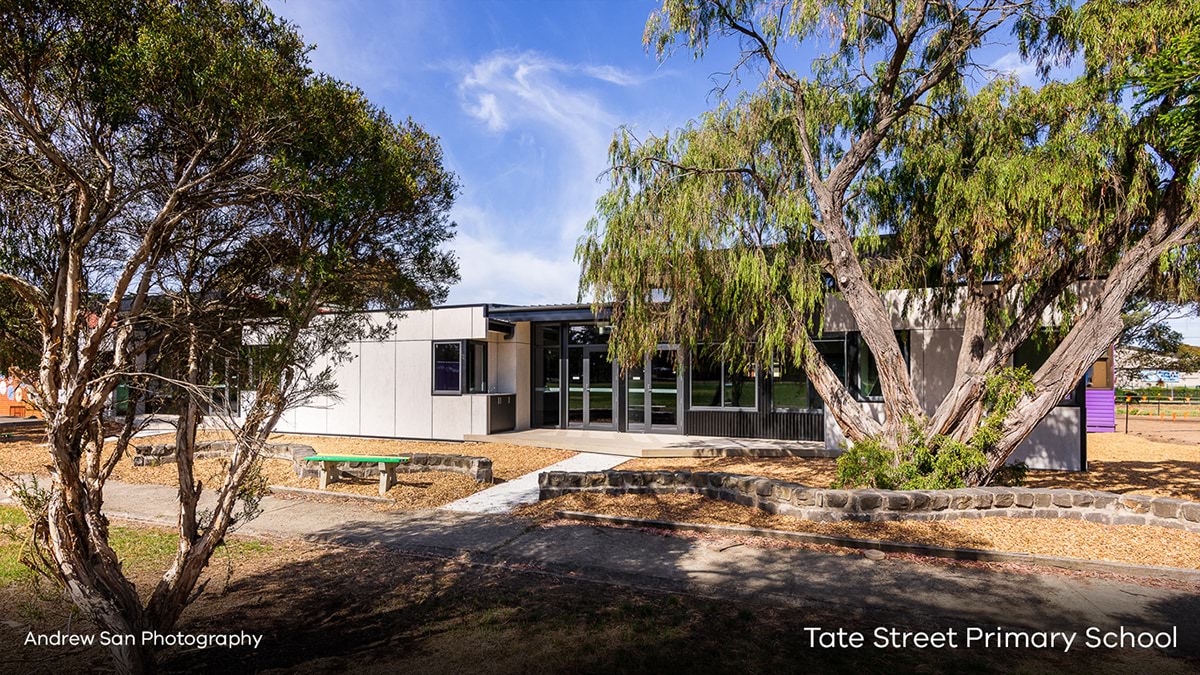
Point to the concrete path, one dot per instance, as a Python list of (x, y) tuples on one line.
[(656, 445), (524, 490), (889, 592)]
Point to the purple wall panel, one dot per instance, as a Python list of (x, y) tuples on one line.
[(1101, 410)]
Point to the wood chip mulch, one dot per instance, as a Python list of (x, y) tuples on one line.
[(1139, 545), (423, 490)]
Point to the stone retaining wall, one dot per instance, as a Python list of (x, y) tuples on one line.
[(478, 468), (793, 499), (163, 453)]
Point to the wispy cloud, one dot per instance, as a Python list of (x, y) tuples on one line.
[(547, 110), (1012, 64)]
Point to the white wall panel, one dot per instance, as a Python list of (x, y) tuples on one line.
[(377, 393), (457, 323), (344, 415), (453, 416), (414, 382), (415, 325), (1054, 443)]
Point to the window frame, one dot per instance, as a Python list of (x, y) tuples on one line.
[(853, 351), (723, 371), (808, 392), (465, 348)]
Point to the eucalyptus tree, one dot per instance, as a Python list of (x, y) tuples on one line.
[(172, 176), (885, 167)]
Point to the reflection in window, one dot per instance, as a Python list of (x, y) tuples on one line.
[(864, 375), (447, 367), (588, 334), (452, 360), (476, 368), (789, 388), (706, 383), (716, 385), (1035, 352), (868, 372)]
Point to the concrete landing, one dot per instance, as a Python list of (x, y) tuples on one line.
[(656, 445), (524, 490)]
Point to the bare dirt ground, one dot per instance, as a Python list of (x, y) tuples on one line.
[(427, 489), (332, 609), (1166, 430), (1138, 545)]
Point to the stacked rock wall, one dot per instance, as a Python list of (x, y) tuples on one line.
[(478, 468), (793, 499)]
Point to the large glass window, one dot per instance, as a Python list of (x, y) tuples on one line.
[(476, 368), (716, 385), (447, 367), (588, 334), (1033, 354), (547, 377)]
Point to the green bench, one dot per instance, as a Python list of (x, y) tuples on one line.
[(387, 468)]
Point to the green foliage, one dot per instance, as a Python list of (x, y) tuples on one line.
[(938, 462)]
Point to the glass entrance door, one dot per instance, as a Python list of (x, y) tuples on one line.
[(652, 390), (590, 389)]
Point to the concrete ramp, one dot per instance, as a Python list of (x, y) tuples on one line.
[(524, 490)]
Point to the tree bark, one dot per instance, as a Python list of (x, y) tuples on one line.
[(1098, 327)]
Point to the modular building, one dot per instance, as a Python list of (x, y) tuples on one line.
[(462, 371)]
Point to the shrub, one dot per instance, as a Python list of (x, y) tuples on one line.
[(936, 462)]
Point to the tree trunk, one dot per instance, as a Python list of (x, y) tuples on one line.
[(134, 659), (1097, 328)]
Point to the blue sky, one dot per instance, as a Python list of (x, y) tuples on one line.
[(525, 96)]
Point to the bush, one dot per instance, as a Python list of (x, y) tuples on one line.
[(936, 462), (924, 463)]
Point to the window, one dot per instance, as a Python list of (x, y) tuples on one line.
[(459, 367), (447, 367), (790, 389), (864, 371), (851, 361), (546, 376), (476, 368), (715, 385), (1035, 351), (589, 334)]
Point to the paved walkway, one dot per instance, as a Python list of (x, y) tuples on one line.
[(656, 445), (886, 592), (524, 490)]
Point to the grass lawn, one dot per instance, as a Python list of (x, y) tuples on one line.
[(332, 609)]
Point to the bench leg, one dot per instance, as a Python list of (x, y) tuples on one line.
[(328, 473), (387, 478)]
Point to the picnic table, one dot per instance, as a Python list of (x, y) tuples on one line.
[(387, 468)]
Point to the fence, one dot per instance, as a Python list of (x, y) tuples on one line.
[(1174, 409)]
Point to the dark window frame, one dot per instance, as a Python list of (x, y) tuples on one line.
[(808, 392), (854, 346), (723, 369), (465, 365)]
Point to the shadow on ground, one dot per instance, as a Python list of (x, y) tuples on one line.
[(1175, 478), (600, 600)]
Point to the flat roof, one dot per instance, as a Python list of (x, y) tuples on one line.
[(568, 312)]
